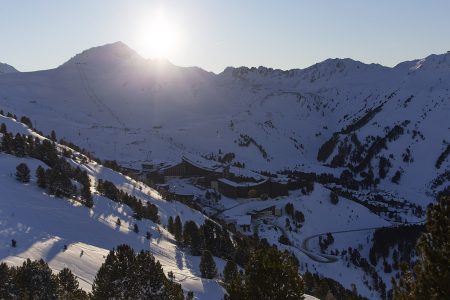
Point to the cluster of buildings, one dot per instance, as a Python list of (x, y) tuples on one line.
[(228, 181), (244, 222)]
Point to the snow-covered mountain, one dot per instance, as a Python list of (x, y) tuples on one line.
[(150, 110), (385, 128), (5, 68)]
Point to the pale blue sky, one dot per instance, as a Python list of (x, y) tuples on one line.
[(214, 34)]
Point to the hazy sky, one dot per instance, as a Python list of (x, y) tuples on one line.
[(214, 34)]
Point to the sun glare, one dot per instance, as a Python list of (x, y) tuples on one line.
[(159, 37)]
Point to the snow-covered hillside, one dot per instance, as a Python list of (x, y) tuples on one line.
[(42, 225), (113, 102), (378, 137)]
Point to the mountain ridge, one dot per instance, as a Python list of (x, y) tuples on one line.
[(288, 114), (5, 69)]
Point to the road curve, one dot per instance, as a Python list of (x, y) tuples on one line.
[(327, 258)]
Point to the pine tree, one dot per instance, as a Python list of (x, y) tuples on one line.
[(192, 238), (68, 287), (23, 173), (6, 282), (432, 272), (19, 146), (86, 190), (170, 225), (178, 229), (334, 198), (25, 120), (40, 174), (3, 129), (269, 274), (53, 136), (230, 271), (113, 278), (7, 143), (34, 280), (149, 276), (207, 265), (289, 208), (125, 275)]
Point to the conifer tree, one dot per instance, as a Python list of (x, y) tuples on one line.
[(19, 146), (149, 271), (53, 136), (25, 120), (86, 190), (40, 174), (68, 287), (178, 229), (170, 225), (34, 280), (431, 276), (269, 274), (192, 238), (23, 173), (207, 265), (230, 271), (125, 275), (334, 198), (113, 278), (3, 129), (6, 282), (7, 144)]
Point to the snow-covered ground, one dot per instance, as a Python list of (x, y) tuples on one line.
[(42, 225), (321, 216), (121, 106)]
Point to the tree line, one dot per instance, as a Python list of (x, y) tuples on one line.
[(141, 211)]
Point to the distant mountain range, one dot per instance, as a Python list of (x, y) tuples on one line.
[(121, 106)]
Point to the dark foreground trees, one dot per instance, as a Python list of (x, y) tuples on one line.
[(127, 275), (431, 276), (269, 274), (34, 280)]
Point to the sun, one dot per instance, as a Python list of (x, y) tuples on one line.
[(159, 37)]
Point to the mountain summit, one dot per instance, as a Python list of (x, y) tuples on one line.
[(107, 54), (5, 68)]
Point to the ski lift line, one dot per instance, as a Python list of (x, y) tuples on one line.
[(93, 96), (96, 98)]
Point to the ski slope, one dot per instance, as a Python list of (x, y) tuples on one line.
[(43, 224)]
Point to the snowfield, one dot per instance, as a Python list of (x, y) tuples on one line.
[(42, 225), (122, 107)]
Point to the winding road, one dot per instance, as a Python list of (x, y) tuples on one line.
[(327, 258)]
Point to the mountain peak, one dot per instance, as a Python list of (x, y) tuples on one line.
[(108, 53), (5, 68)]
